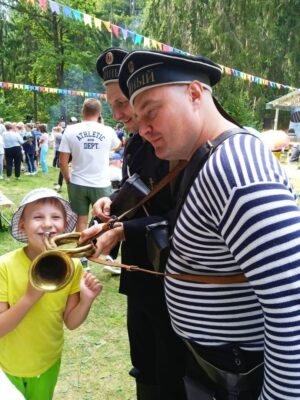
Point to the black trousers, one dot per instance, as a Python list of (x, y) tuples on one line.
[(13, 157), (231, 359), (157, 354), (55, 162)]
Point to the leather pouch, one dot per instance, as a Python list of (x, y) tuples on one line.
[(158, 244), (131, 192)]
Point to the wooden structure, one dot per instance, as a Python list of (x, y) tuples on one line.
[(286, 103)]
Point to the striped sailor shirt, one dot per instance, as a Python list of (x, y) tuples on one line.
[(241, 215)]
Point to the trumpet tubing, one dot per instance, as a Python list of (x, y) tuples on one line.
[(51, 271)]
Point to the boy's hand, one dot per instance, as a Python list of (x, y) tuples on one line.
[(90, 287), (32, 294)]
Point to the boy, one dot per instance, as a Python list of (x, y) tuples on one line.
[(31, 321)]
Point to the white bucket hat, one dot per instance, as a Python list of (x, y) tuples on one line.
[(35, 195)]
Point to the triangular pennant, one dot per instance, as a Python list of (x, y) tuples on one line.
[(132, 36), (166, 47), (43, 4), (54, 7), (87, 19), (138, 39), (154, 43), (77, 15), (107, 25), (124, 33), (67, 11), (146, 42), (115, 30), (97, 23)]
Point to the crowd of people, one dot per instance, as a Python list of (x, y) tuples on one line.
[(223, 324), (24, 148)]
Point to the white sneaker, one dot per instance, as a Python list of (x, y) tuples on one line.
[(113, 270), (58, 188)]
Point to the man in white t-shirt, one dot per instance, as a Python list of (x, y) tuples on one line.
[(89, 142)]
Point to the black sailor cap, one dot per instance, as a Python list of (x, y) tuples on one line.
[(144, 69), (109, 62)]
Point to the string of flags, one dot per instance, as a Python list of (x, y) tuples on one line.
[(139, 40), (45, 89)]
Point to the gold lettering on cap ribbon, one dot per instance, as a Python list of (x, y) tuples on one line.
[(111, 73), (144, 79)]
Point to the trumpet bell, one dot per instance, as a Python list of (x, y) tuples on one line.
[(51, 271)]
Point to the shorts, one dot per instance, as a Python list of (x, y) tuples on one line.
[(38, 387), (81, 197)]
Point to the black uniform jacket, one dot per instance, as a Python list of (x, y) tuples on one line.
[(139, 157)]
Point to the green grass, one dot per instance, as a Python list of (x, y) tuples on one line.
[(95, 360)]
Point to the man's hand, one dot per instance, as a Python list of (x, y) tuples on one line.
[(106, 241), (101, 209)]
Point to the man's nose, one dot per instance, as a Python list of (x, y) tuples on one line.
[(144, 130), (118, 115)]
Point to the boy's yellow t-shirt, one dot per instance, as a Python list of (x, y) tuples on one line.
[(36, 343)]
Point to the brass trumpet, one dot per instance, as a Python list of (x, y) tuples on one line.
[(53, 269)]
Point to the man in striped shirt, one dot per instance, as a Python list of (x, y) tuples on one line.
[(239, 216)]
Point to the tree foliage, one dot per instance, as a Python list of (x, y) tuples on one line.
[(41, 48), (55, 51), (257, 37)]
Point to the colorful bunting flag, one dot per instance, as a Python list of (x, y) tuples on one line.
[(43, 4), (124, 33), (67, 12), (115, 30), (139, 40), (77, 15), (97, 23), (54, 7), (44, 89), (87, 19), (107, 25), (147, 42), (132, 36)]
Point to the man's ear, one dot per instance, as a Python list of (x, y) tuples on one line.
[(195, 90)]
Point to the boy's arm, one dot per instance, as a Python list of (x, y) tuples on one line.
[(10, 317), (79, 304)]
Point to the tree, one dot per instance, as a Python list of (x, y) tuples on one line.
[(56, 51), (258, 37)]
